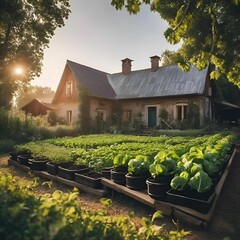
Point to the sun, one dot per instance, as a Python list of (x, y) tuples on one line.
[(19, 70)]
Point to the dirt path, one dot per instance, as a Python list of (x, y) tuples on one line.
[(225, 222)]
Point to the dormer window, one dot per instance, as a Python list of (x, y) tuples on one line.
[(69, 88)]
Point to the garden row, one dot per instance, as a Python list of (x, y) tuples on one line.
[(171, 169)]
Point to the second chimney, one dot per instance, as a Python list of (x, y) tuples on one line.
[(155, 63), (126, 65)]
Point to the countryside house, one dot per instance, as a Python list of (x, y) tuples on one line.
[(157, 96)]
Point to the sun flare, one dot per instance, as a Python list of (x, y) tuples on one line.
[(19, 70)]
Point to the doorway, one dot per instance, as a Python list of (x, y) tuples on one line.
[(152, 117)]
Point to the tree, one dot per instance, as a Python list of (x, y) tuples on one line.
[(26, 27), (169, 57), (25, 95), (208, 29)]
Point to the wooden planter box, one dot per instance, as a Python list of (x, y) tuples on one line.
[(90, 179)]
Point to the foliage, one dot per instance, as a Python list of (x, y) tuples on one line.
[(26, 28), (59, 216), (16, 126), (83, 120), (139, 165), (6, 145), (201, 164), (200, 182), (27, 94), (223, 90), (121, 160), (164, 164), (207, 29)]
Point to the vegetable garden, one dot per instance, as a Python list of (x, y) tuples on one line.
[(189, 163)]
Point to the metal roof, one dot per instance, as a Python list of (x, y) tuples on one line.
[(96, 81), (166, 81)]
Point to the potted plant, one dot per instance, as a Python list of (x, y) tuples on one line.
[(192, 190), (120, 169), (162, 171), (138, 172)]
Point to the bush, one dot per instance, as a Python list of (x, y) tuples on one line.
[(6, 145)]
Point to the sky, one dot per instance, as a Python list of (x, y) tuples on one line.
[(99, 36)]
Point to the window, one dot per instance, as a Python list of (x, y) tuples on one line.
[(69, 116), (182, 111), (69, 88)]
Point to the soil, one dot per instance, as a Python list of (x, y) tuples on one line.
[(225, 223)]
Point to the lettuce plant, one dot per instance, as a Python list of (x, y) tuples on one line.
[(139, 165)]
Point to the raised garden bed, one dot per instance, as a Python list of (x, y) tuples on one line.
[(90, 179), (37, 164), (201, 202), (68, 171), (23, 159)]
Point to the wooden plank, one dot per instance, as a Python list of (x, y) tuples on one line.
[(140, 196), (46, 175)]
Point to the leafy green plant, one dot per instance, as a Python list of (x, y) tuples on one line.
[(165, 163), (139, 165), (200, 182), (120, 161), (179, 182), (58, 216)]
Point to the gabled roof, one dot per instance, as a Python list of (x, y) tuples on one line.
[(96, 81), (47, 102), (166, 81)]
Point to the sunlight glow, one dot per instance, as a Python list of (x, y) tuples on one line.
[(19, 70)]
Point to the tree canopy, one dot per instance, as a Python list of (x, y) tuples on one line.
[(26, 27), (25, 95), (208, 30)]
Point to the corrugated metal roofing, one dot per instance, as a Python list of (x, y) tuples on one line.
[(96, 81), (166, 81)]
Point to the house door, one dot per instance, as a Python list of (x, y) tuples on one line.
[(152, 116)]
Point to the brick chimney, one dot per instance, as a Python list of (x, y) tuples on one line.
[(126, 65), (155, 63)]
